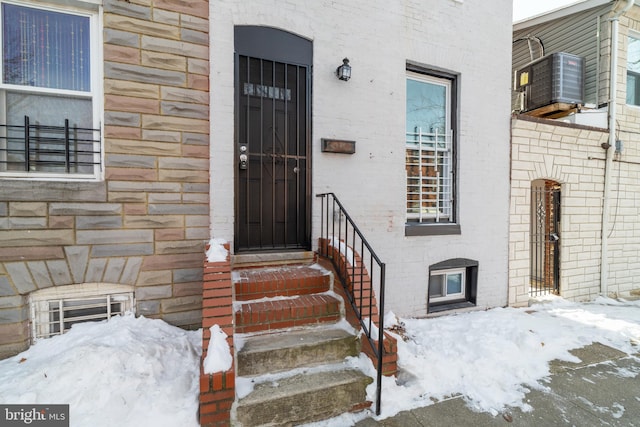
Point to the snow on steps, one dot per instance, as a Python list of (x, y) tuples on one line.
[(269, 282), (288, 375), (273, 314), (277, 352), (269, 297), (303, 398)]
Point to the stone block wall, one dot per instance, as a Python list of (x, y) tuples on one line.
[(146, 222)]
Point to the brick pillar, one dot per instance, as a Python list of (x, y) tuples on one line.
[(217, 390)]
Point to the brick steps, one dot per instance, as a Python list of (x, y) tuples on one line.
[(252, 283), (291, 350), (256, 316)]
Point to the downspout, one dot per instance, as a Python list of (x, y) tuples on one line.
[(613, 82), (598, 47)]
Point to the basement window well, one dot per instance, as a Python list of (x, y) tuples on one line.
[(55, 310), (452, 284)]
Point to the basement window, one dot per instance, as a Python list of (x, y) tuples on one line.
[(452, 284), (447, 284), (55, 310)]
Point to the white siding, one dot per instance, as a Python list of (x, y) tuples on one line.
[(576, 34)]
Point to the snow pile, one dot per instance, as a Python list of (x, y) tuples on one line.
[(219, 356), (135, 372), (127, 372), (344, 250), (217, 252), (493, 358)]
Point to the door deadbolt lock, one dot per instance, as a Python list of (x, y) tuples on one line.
[(243, 157)]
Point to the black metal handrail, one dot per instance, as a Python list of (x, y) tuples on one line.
[(345, 245), (42, 148)]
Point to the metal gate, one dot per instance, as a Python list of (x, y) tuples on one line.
[(545, 237), (272, 137)]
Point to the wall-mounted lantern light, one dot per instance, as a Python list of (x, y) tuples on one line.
[(343, 72)]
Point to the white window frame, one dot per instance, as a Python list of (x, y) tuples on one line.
[(636, 36), (446, 273), (91, 9), (42, 326), (422, 140)]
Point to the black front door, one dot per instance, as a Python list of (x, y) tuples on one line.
[(272, 140)]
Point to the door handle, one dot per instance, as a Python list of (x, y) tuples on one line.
[(243, 157)]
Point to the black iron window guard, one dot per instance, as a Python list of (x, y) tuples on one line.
[(343, 243), (49, 149)]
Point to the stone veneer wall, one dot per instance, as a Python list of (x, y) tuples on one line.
[(146, 223)]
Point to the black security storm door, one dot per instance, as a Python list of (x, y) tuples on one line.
[(545, 237), (272, 147)]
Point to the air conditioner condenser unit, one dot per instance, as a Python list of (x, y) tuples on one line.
[(555, 78)]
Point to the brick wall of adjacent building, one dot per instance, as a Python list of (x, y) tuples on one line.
[(145, 224), (624, 229), (573, 157)]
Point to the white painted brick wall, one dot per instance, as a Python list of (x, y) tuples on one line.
[(379, 37)]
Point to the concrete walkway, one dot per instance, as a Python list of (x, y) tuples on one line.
[(602, 390)]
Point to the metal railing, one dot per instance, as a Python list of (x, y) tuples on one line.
[(359, 270), (55, 149)]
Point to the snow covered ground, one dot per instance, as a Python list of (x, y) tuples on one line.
[(137, 371), (494, 357), (125, 372)]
